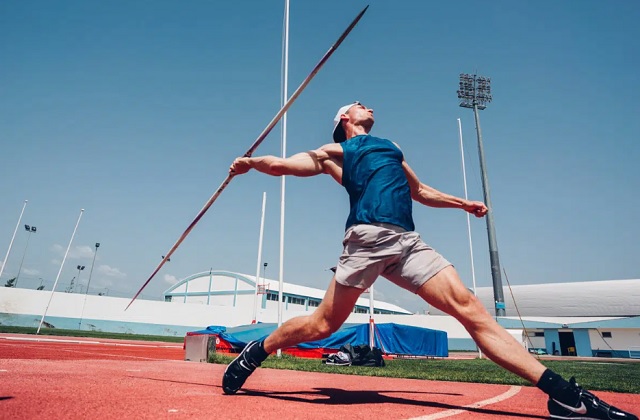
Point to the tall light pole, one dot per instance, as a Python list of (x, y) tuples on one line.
[(264, 272), (30, 230), (88, 283), (92, 264), (475, 93), (80, 268)]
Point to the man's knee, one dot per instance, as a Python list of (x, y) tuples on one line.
[(464, 306), (324, 327), (471, 311)]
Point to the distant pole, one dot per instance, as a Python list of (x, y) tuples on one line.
[(30, 230), (88, 283), (79, 268), (4, 262), (475, 93), (53, 289), (210, 281), (372, 325), (259, 261), (92, 264)]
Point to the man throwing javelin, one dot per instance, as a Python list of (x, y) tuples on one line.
[(380, 241)]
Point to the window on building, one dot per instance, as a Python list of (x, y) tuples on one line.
[(606, 334), (360, 310), (296, 300), (167, 298), (314, 303), (538, 334), (274, 296)]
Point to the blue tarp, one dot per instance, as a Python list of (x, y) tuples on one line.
[(391, 338)]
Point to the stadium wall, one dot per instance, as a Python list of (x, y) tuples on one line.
[(25, 307)]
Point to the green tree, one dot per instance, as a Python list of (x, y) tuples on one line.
[(10, 283)]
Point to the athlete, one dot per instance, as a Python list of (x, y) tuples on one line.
[(380, 241)]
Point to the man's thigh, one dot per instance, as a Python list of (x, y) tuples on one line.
[(417, 265)]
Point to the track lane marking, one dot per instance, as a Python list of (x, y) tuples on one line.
[(448, 413), (103, 343)]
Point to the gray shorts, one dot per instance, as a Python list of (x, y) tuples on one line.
[(389, 251)]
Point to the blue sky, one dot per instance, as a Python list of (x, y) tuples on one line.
[(133, 110)]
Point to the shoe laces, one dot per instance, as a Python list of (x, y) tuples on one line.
[(249, 358), (595, 401)]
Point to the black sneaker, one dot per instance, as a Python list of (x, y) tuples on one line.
[(241, 367), (589, 407)]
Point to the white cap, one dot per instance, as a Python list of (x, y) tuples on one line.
[(338, 131)]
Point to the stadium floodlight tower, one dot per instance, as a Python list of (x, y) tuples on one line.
[(475, 93)]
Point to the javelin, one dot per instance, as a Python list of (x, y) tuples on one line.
[(253, 147)]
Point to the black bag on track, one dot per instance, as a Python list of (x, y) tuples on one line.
[(363, 355)]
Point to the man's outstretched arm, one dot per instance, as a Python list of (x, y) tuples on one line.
[(301, 164), (431, 197)]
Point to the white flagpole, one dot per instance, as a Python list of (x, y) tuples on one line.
[(285, 77), (53, 289), (464, 177), (372, 325), (259, 262), (4, 263)]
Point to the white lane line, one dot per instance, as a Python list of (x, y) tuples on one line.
[(448, 413), (53, 340), (57, 340)]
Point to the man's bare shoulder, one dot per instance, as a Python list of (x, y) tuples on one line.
[(332, 149)]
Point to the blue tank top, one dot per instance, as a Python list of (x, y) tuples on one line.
[(377, 185)]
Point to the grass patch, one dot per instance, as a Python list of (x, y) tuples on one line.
[(596, 376), (91, 334)]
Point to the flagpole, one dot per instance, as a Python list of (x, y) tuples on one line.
[(372, 325), (259, 262), (464, 178), (53, 289), (285, 78), (4, 262)]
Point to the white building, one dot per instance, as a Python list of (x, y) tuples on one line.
[(610, 298), (225, 288)]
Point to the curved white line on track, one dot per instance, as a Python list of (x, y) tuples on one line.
[(448, 413)]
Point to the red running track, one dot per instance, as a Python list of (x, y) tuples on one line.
[(71, 378)]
